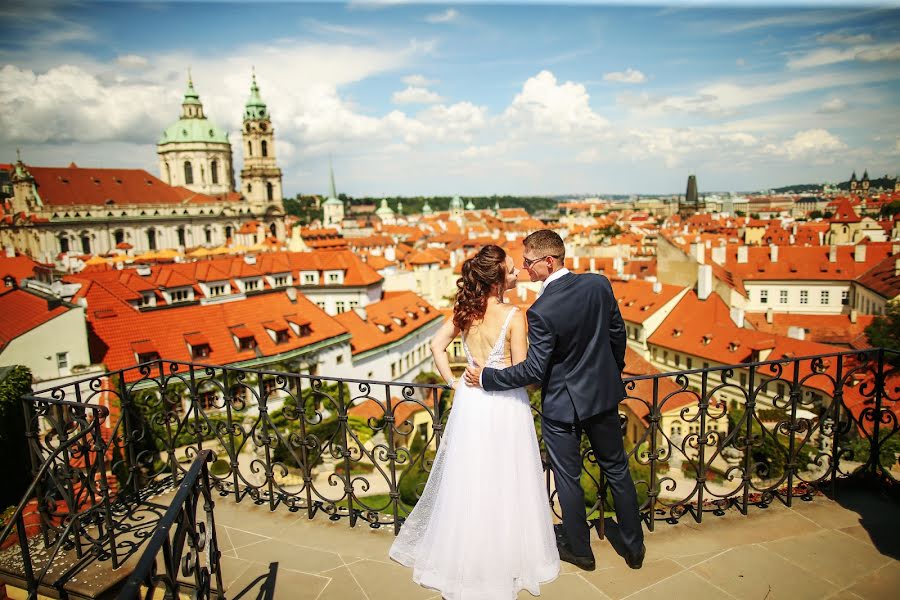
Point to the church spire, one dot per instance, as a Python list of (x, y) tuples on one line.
[(333, 189), (255, 109), (191, 107)]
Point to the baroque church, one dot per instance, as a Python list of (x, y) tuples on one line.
[(54, 211)]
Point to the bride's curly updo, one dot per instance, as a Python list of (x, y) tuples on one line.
[(480, 275)]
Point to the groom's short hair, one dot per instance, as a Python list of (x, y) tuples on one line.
[(546, 243)]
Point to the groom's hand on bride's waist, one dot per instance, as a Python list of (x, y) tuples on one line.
[(473, 376)]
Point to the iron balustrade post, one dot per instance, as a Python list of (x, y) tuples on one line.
[(392, 457), (837, 401), (749, 407), (344, 426), (877, 470), (100, 449), (262, 405), (304, 451), (128, 429), (702, 407), (793, 428), (30, 583), (653, 491)]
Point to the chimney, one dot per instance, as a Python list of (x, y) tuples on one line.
[(821, 237), (859, 253), (797, 333), (773, 253), (791, 240), (361, 312), (737, 315), (718, 255), (291, 294), (593, 265), (657, 287), (10, 252), (704, 281), (742, 255), (250, 259), (575, 263), (143, 270), (770, 316), (832, 253), (390, 254), (853, 315), (699, 252), (619, 265)]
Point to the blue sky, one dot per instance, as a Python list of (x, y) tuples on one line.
[(466, 98)]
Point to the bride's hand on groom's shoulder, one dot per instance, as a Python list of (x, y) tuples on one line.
[(473, 376)]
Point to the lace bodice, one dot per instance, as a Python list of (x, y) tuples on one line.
[(495, 358)]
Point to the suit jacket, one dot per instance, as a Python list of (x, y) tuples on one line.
[(576, 350)]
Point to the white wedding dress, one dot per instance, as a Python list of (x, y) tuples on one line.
[(482, 529)]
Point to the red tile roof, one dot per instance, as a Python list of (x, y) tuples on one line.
[(411, 309), (844, 213), (882, 278), (21, 311), (76, 186), (116, 327), (20, 267), (637, 300)]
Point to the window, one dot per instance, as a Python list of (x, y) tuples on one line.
[(269, 190), (217, 290), (393, 369), (321, 305), (665, 356), (249, 153), (339, 359), (264, 146), (85, 243), (147, 356), (309, 278), (247, 343), (282, 336), (845, 297), (779, 389), (180, 295), (823, 297), (207, 231), (200, 351), (119, 236), (743, 379), (677, 360), (804, 296), (228, 231), (339, 306), (151, 239), (181, 236), (305, 330), (783, 297), (280, 280), (62, 360), (63, 243), (354, 304), (334, 278), (251, 284), (690, 363), (188, 173), (214, 171), (763, 296)]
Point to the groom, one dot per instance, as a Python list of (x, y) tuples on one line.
[(576, 350)]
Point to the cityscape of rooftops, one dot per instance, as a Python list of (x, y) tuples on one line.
[(473, 99)]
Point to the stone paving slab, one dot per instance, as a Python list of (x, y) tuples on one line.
[(847, 550)]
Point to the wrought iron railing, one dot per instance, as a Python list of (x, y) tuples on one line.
[(187, 541), (699, 440), (70, 505)]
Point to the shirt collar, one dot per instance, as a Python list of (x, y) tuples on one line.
[(554, 276)]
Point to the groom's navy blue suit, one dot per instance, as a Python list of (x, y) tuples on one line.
[(576, 351)]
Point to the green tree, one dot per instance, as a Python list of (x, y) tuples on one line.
[(884, 332), (816, 214)]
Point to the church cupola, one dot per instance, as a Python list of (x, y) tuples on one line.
[(191, 107), (260, 176)]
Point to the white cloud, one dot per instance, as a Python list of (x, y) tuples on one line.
[(419, 81), (628, 76), (543, 106), (448, 16), (485, 151), (132, 61), (829, 56), (840, 38), (415, 95), (740, 62), (834, 105), (812, 144)]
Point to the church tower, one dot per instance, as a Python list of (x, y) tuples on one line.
[(24, 199), (193, 152), (333, 209), (691, 204), (260, 177)]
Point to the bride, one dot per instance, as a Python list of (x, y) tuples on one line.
[(482, 529)]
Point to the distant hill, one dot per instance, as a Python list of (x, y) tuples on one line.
[(799, 188), (882, 183)]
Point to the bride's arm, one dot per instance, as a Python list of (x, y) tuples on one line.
[(443, 338), (518, 338)]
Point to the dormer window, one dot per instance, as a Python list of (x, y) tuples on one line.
[(733, 345), (145, 351), (279, 281), (310, 278), (244, 337), (180, 295), (676, 332), (198, 344), (706, 340), (218, 289), (251, 285)]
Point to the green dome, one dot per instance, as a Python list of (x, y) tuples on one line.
[(193, 130), (333, 201), (384, 210), (456, 203), (255, 107), (470, 205)]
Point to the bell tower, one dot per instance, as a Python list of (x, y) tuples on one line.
[(260, 176)]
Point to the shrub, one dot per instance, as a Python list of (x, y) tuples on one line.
[(14, 382)]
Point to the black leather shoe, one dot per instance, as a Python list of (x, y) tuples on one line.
[(586, 563), (636, 561)]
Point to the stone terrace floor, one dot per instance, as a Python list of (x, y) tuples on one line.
[(848, 549)]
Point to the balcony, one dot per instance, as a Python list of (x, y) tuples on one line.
[(753, 477)]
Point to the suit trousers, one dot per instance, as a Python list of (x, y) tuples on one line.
[(605, 436)]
